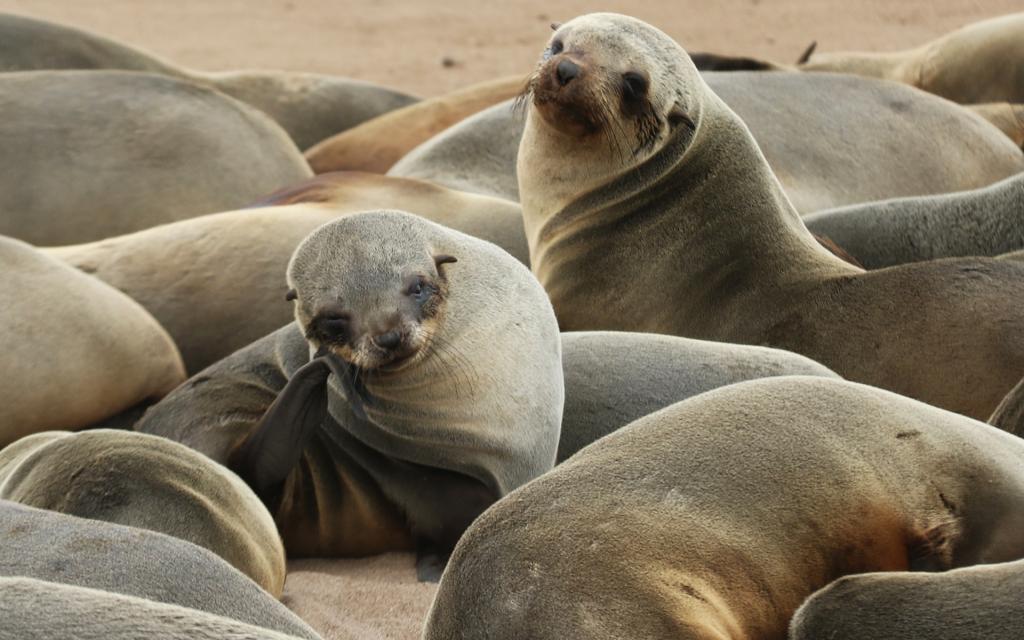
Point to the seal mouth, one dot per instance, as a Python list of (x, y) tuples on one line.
[(570, 107)]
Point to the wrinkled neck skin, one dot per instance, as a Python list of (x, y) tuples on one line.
[(899, 66), (703, 223)]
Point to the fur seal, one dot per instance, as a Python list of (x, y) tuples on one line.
[(76, 351), (615, 377), (717, 516), (411, 417), (51, 546), (981, 222), (1009, 415), (1008, 118), (40, 610), (92, 154), (203, 277), (973, 603), (648, 207), (908, 143), (310, 107), (140, 480), (377, 144), (981, 62)]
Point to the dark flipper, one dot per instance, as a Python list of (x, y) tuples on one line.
[(1009, 415), (273, 449)]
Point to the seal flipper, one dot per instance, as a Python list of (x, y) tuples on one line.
[(1009, 415), (273, 449)]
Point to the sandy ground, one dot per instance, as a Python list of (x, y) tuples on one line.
[(405, 44)]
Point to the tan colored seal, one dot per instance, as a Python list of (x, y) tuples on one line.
[(1008, 118), (648, 207), (973, 603), (40, 610), (980, 222), (310, 107), (377, 144), (93, 154), (52, 546), (717, 516), (434, 388), (152, 483), (203, 278), (76, 351)]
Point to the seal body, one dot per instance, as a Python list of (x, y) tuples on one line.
[(689, 233), (717, 516), (377, 144), (973, 603), (72, 173), (202, 277), (981, 222), (404, 425), (147, 482), (51, 546), (309, 107), (1009, 415), (40, 610), (116, 356), (797, 121)]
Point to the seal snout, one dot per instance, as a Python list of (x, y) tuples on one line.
[(388, 340), (566, 71)]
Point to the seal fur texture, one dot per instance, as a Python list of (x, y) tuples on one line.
[(309, 107), (203, 278), (973, 603), (93, 154), (139, 480), (366, 424), (51, 546), (1009, 415), (377, 144), (718, 516), (76, 351), (981, 222), (672, 222), (39, 610)]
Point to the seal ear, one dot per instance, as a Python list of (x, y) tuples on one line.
[(677, 116), (444, 259), (291, 295), (807, 52), (555, 26)]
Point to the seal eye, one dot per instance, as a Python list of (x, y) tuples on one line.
[(555, 49), (634, 85), (420, 290), (333, 328)]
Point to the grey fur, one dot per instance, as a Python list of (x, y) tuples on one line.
[(615, 377), (310, 107), (152, 483), (974, 603), (92, 154), (717, 516), (982, 222), (51, 546), (38, 610), (800, 123)]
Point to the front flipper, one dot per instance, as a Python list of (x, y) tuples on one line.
[(273, 449)]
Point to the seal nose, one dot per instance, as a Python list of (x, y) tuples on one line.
[(566, 71), (388, 340)]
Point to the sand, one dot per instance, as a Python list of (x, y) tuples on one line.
[(406, 44)]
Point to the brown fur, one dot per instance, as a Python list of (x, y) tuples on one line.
[(377, 144)]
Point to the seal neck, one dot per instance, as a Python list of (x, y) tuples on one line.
[(707, 217)]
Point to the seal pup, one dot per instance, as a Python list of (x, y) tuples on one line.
[(377, 144), (981, 222), (411, 417), (649, 207), (718, 516), (93, 154), (40, 610), (908, 143), (76, 351), (51, 546), (139, 480), (202, 277), (973, 603), (310, 107), (615, 377)]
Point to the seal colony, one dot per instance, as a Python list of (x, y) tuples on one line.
[(624, 143), (434, 388)]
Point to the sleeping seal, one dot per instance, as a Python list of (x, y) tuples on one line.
[(420, 382), (718, 516), (648, 207)]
